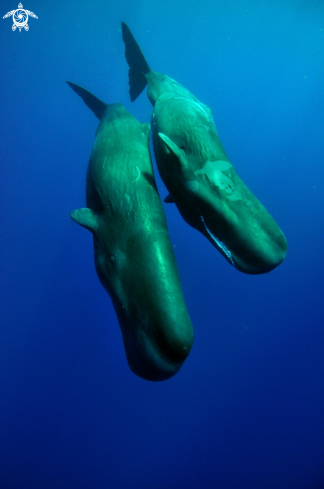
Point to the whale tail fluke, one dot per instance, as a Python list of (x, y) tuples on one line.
[(97, 106), (138, 66)]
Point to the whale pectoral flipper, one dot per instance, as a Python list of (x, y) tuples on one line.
[(175, 150), (138, 66), (171, 145), (95, 104), (86, 218)]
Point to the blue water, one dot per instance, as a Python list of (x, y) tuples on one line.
[(246, 411)]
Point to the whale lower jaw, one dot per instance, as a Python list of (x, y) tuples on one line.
[(152, 367), (148, 363), (145, 358)]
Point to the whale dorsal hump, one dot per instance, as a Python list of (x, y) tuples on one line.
[(138, 66), (86, 218), (97, 106), (146, 128)]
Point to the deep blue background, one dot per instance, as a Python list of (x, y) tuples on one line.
[(247, 409)]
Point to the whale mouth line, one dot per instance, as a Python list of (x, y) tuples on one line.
[(218, 242)]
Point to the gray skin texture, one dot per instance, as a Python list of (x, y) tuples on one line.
[(203, 182), (134, 258)]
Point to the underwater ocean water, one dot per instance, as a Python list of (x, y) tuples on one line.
[(246, 411)]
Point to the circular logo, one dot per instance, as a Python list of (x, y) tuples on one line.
[(20, 18)]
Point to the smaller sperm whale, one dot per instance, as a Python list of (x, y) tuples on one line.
[(198, 174), (134, 257)]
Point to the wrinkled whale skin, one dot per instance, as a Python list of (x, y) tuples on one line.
[(204, 184), (134, 257), (199, 176)]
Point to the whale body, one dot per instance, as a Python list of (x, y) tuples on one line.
[(198, 174), (134, 258)]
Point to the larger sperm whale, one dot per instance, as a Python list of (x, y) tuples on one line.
[(134, 257), (198, 174)]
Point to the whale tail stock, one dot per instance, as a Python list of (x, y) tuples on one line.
[(97, 106), (138, 66)]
